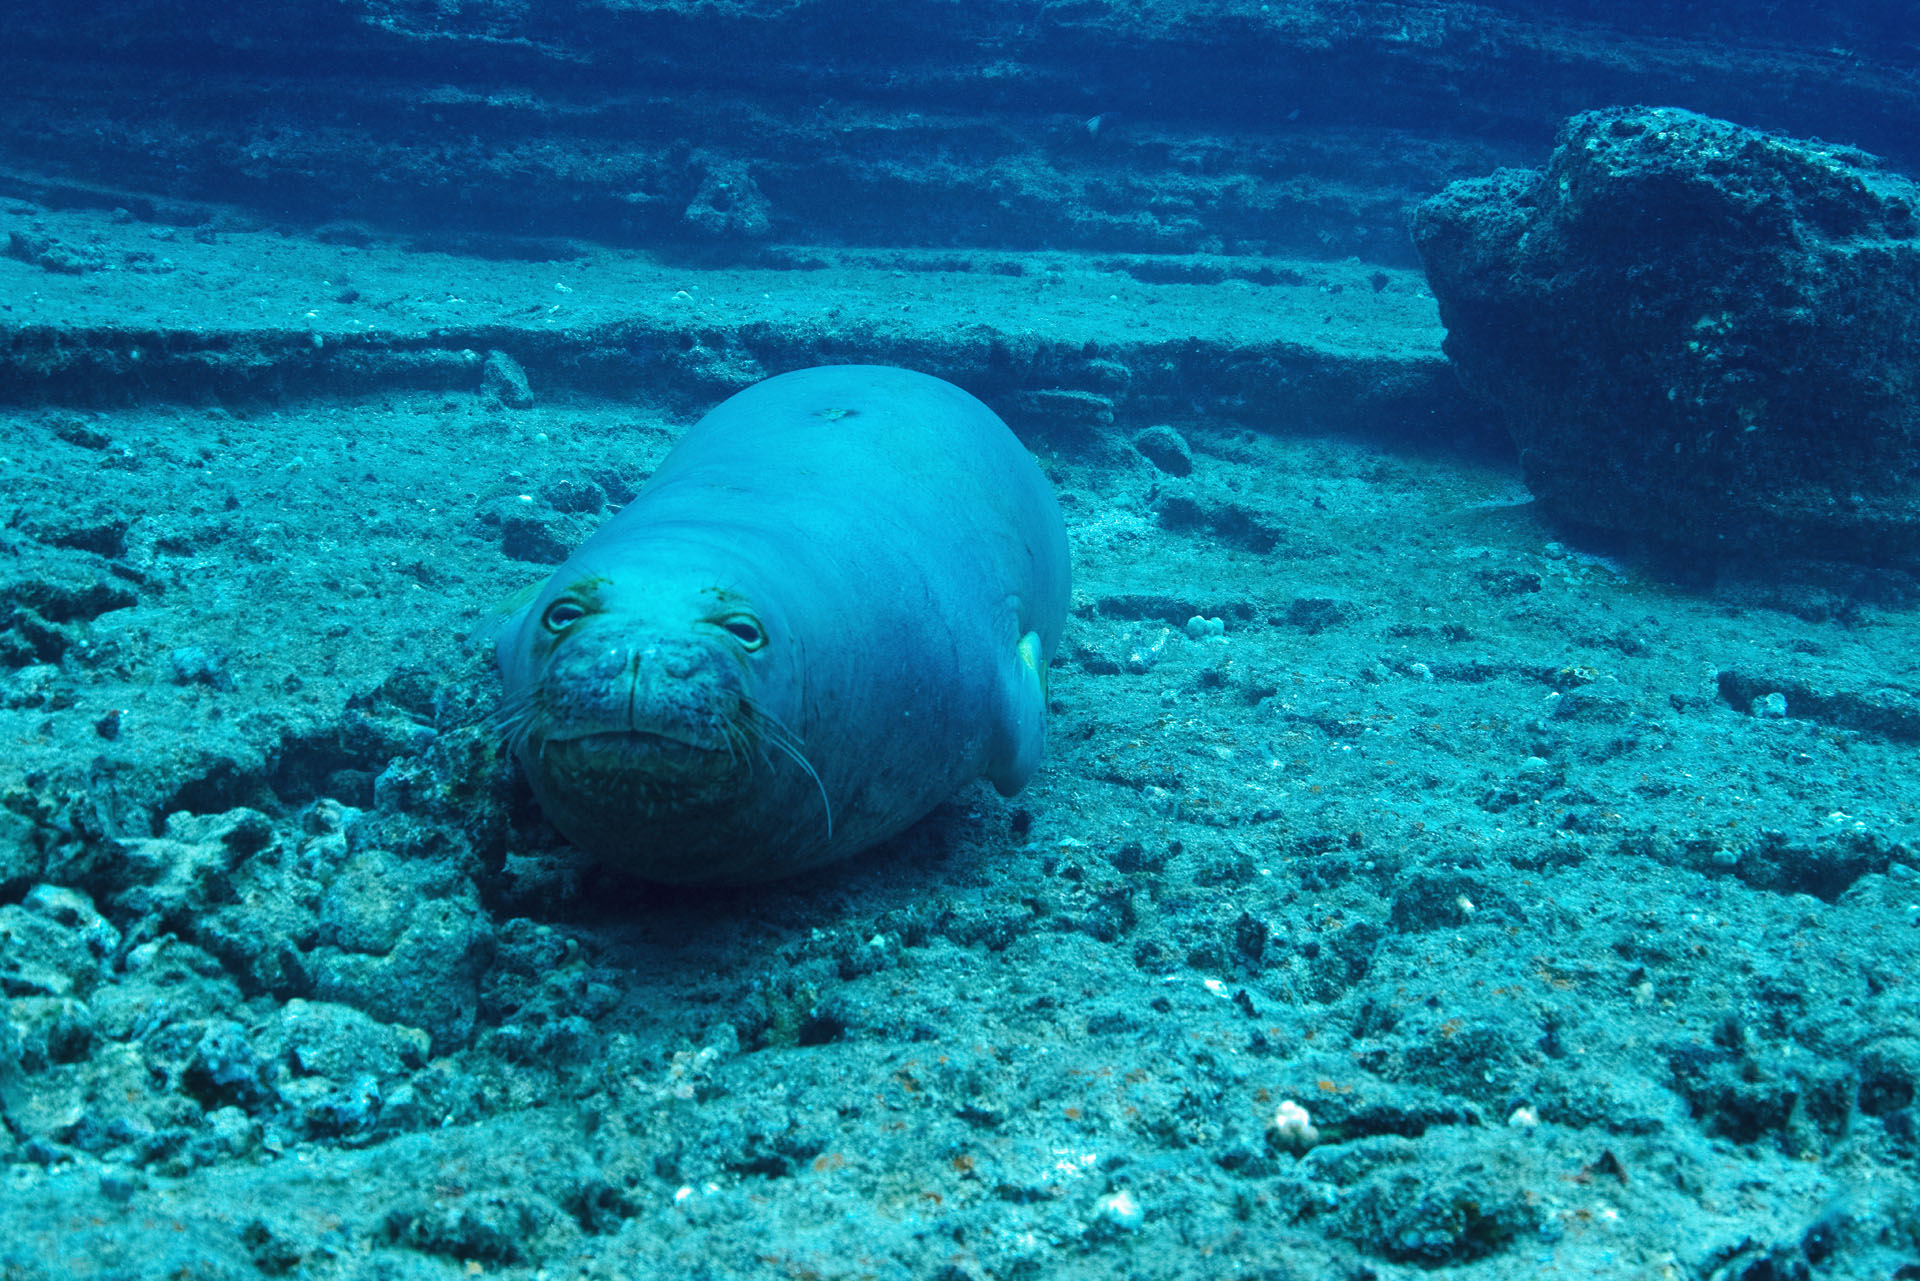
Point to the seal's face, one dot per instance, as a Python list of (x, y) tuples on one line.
[(635, 695)]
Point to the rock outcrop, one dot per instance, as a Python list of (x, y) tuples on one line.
[(1697, 332)]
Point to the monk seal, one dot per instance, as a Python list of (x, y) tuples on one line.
[(830, 607)]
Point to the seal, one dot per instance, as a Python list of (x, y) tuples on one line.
[(830, 607)]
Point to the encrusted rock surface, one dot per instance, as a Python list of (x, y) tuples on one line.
[(1698, 332)]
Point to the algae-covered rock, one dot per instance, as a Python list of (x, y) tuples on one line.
[(1698, 332)]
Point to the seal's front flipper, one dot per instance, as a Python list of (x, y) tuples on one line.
[(1023, 728)]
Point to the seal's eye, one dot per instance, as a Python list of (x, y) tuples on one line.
[(562, 614), (746, 629)]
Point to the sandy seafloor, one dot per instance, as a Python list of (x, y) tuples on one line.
[(1585, 956)]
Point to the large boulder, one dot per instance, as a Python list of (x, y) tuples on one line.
[(1697, 332)]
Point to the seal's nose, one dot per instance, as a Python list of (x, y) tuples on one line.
[(673, 687)]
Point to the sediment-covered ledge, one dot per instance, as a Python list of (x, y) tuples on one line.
[(1287, 128), (108, 309)]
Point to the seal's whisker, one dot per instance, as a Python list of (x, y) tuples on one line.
[(801, 761), (770, 730), (513, 721), (737, 734), (511, 708), (515, 718), (761, 713), (776, 733)]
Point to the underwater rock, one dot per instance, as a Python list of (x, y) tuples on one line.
[(50, 254), (1166, 449), (402, 956), (53, 944), (1699, 332), (729, 205), (503, 379), (226, 1070)]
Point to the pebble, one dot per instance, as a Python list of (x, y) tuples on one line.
[(118, 1184), (1205, 628), (1121, 1210)]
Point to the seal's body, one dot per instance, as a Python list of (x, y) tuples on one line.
[(830, 607)]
